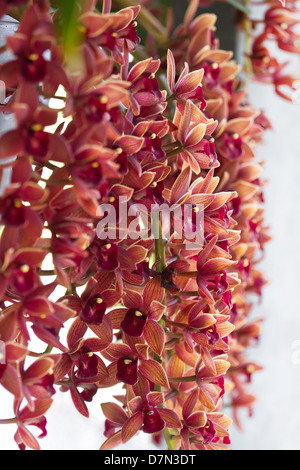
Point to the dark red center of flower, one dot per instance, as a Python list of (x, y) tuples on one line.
[(40, 423), (227, 298), (212, 335), (211, 73), (122, 160), (87, 364), (2, 369), (209, 149), (108, 257), (37, 142), (248, 370), (23, 278), (93, 311), (193, 219), (154, 192), (110, 39), (33, 68), (235, 206), (199, 96), (258, 284), (152, 422), (167, 281), (153, 144), (127, 370), (253, 225), (221, 384), (208, 432), (134, 322), (233, 145), (14, 213), (130, 33), (47, 383), (233, 314), (218, 282), (244, 266), (146, 90), (90, 173), (143, 271), (222, 216), (89, 392), (96, 106)]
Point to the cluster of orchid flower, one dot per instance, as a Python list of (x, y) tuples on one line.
[(166, 122), (280, 26)]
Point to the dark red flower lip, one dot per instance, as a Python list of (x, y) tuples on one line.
[(93, 311), (87, 364), (108, 256), (152, 422), (34, 68), (134, 322), (127, 370)]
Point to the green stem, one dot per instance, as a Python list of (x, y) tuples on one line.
[(169, 441), (174, 152), (181, 326), (63, 383), (190, 294), (160, 255), (151, 24), (171, 146), (9, 421), (47, 165), (191, 378), (239, 6), (47, 272), (174, 335), (48, 350)]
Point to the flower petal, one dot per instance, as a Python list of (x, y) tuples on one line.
[(154, 372), (114, 413), (132, 426), (155, 336)]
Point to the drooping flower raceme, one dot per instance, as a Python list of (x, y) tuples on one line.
[(144, 306)]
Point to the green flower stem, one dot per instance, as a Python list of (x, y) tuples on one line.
[(175, 324), (47, 272), (9, 421), (160, 266), (47, 351), (170, 98), (171, 146), (174, 152), (160, 255), (241, 6), (151, 24), (171, 343), (174, 335), (190, 293), (48, 165), (169, 441), (17, 12), (191, 378)]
